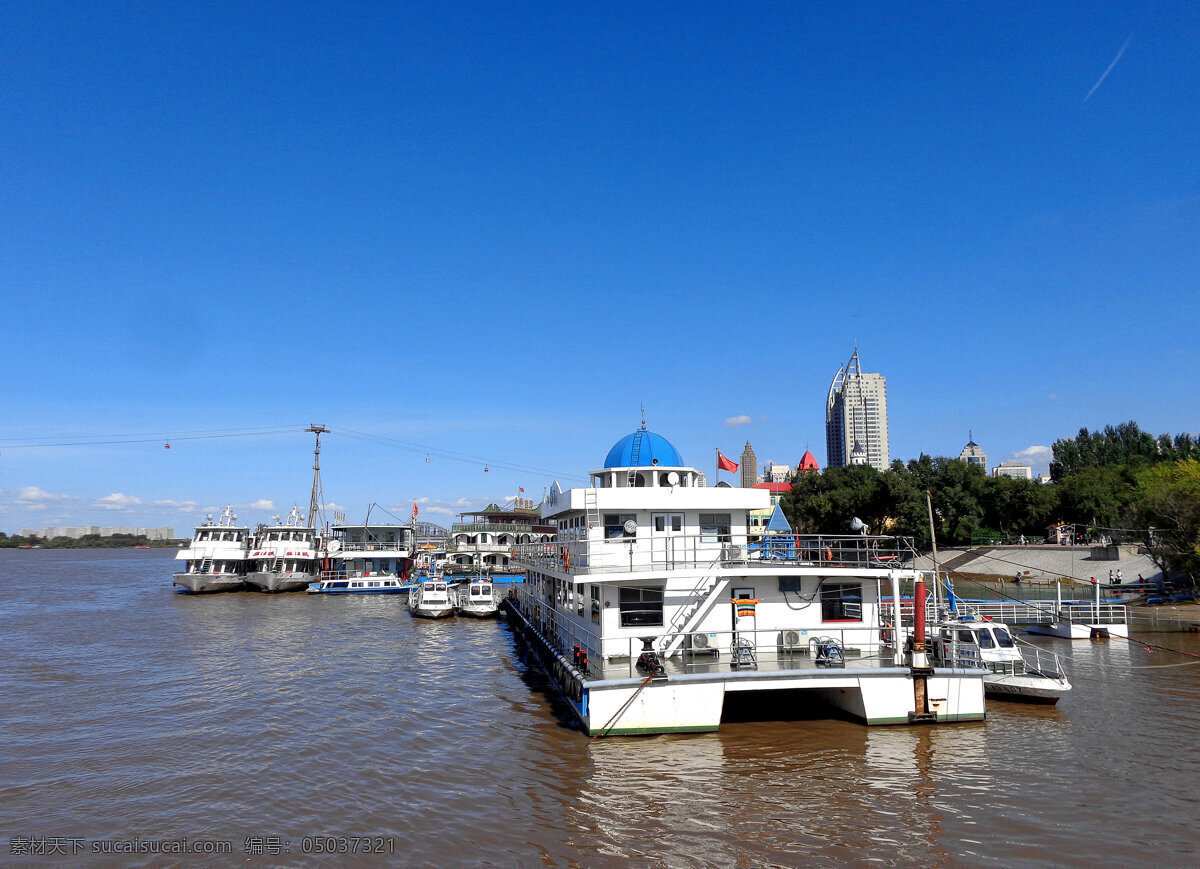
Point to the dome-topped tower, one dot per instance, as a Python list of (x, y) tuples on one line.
[(644, 459), (643, 449)]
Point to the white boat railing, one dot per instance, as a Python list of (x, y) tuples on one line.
[(647, 551), (617, 657)]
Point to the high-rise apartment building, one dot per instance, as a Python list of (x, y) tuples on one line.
[(856, 428)]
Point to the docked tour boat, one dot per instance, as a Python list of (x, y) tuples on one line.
[(431, 599), (477, 599), (369, 551), (361, 585), (216, 556), (1026, 673), (654, 615), (284, 556)]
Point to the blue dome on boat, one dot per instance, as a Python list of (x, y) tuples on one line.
[(643, 449)]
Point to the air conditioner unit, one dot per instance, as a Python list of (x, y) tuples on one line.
[(793, 642), (702, 643), (732, 552)]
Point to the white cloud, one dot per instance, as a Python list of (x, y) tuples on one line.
[(739, 420), (181, 506), (35, 507), (261, 504), (34, 495), (441, 511), (1035, 455), (462, 502), (117, 501)]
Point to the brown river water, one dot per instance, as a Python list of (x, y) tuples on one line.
[(304, 730)]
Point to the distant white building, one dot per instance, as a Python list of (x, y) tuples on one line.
[(158, 533), (856, 418), (1017, 470), (773, 473), (124, 529)]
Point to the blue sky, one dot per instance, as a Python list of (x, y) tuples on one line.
[(489, 232)]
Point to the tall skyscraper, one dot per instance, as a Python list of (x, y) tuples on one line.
[(856, 427), (749, 467)]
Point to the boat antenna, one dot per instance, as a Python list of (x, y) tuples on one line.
[(933, 543), (317, 494)]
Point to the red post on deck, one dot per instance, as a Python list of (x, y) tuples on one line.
[(919, 616)]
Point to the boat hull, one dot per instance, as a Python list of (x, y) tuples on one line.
[(209, 583), (1026, 688), (479, 612), (272, 582), (1080, 631), (432, 612)]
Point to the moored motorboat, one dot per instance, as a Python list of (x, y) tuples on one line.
[(431, 599), (477, 599), (215, 557), (1025, 673)]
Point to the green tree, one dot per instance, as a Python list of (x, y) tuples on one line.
[(1168, 499)]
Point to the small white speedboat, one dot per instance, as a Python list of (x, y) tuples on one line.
[(478, 599), (431, 600), (1030, 674)]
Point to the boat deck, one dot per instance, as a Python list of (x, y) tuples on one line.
[(723, 664)]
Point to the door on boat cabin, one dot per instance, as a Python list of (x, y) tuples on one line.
[(667, 543)]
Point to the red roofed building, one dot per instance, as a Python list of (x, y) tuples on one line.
[(808, 463)]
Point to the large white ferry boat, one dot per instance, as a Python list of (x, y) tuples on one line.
[(284, 556), (216, 556), (655, 615)]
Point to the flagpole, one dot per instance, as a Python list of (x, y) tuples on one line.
[(717, 476)]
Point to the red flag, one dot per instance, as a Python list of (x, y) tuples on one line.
[(414, 509), (520, 488), (723, 464)]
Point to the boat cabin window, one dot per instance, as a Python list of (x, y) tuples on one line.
[(841, 602), (714, 528), (614, 525), (986, 641), (339, 585), (641, 605), (966, 637), (1003, 639)]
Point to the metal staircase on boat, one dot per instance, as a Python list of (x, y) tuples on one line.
[(704, 595)]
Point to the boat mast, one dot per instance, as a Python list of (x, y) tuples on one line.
[(317, 430)]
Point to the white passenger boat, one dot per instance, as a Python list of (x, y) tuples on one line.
[(431, 599), (654, 615), (216, 556), (477, 599), (1014, 672), (336, 584), (371, 551), (284, 556), (483, 541)]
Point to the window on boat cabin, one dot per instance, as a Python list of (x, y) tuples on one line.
[(966, 637), (614, 525), (640, 605), (664, 521), (985, 640), (841, 602), (339, 585), (714, 528), (1003, 638)]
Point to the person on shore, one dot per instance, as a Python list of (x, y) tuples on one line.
[(1119, 576), (1017, 578), (1110, 576)]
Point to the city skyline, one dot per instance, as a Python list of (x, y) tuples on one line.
[(474, 244)]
